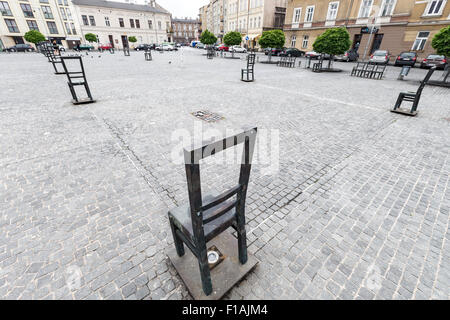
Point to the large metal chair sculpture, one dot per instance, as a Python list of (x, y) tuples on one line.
[(206, 217), (74, 69), (248, 74), (413, 97), (148, 55)]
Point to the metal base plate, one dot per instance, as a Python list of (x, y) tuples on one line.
[(405, 112), (83, 101), (224, 276)]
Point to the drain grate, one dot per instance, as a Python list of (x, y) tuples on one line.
[(207, 116)]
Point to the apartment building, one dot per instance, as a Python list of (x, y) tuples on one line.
[(394, 25), (55, 19), (249, 17), (185, 30), (114, 22)]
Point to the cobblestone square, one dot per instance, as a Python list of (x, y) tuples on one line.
[(357, 206)]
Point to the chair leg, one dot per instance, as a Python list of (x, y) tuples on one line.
[(204, 270), (88, 91), (399, 101), (72, 91), (415, 104), (178, 243)]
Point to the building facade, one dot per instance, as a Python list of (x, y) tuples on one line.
[(55, 19), (393, 25), (114, 22), (249, 17), (185, 30)]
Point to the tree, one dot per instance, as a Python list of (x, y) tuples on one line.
[(272, 39), (441, 42), (208, 38), (333, 41), (132, 39), (232, 38), (34, 36), (90, 37)]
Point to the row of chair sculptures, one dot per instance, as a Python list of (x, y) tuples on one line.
[(368, 70), (288, 62)]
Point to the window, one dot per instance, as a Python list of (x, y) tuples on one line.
[(85, 20), (435, 7), (69, 31), (168, 27), (107, 22), (52, 27), (131, 23), (69, 13), (32, 25), (309, 14), (4, 8), (387, 8), (92, 20), (121, 23), (47, 11), (366, 8), (332, 10), (305, 42), (27, 11), (72, 25), (12, 26), (293, 41), (243, 5), (159, 25), (297, 15), (421, 39), (63, 13), (43, 1), (150, 24), (138, 23)]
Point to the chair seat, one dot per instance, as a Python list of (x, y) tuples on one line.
[(182, 218)]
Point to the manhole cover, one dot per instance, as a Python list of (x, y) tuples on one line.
[(207, 116)]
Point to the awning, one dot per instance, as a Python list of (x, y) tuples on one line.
[(73, 38)]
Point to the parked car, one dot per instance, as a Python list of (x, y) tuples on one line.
[(380, 57), (82, 47), (107, 46), (167, 47), (143, 47), (200, 45), (237, 49), (292, 52), (223, 47), (406, 59), (434, 60), (348, 56), (20, 48), (312, 55)]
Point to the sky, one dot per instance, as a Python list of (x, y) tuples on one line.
[(180, 8)]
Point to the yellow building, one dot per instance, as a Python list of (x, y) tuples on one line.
[(393, 25)]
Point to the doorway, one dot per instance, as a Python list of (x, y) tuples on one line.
[(356, 42), (18, 40), (376, 44), (111, 40), (125, 41)]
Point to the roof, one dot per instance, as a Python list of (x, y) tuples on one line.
[(120, 5), (180, 20)]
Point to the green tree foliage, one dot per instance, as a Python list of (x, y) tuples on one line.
[(90, 37), (333, 41), (208, 38), (441, 42), (272, 39), (34, 36), (132, 39), (232, 38)]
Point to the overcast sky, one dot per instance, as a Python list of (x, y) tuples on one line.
[(180, 8)]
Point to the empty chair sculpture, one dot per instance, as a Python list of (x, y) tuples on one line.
[(74, 69), (248, 74), (126, 51), (55, 60), (413, 97), (148, 55), (207, 216)]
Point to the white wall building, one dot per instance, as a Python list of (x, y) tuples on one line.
[(55, 19), (114, 22)]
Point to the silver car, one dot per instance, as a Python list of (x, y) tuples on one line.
[(380, 57)]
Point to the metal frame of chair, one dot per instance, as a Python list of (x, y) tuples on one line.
[(413, 97), (77, 78), (148, 55), (205, 218), (126, 51), (56, 60), (250, 70)]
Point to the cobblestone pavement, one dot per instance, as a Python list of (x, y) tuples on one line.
[(357, 209)]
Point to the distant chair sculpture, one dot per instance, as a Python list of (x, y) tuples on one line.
[(126, 51), (210, 52), (74, 69), (111, 50), (56, 60), (207, 216), (148, 55), (248, 74), (287, 62), (413, 97)]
